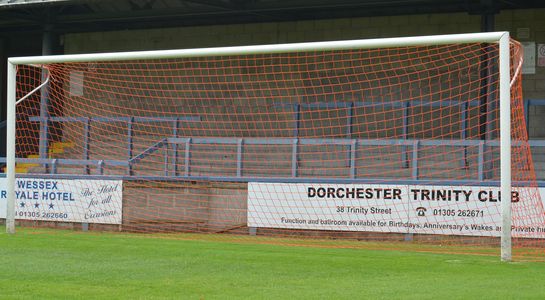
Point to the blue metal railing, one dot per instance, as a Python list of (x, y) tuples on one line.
[(110, 119), (405, 105), (295, 144), (53, 163), (410, 156)]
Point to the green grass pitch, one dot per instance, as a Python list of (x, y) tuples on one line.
[(57, 264)]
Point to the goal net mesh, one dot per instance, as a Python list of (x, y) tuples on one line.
[(393, 144)]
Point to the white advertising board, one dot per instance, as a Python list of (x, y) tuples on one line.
[(64, 200), (428, 209)]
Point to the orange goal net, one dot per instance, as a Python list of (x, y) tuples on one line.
[(394, 143)]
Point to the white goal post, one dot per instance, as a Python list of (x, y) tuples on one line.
[(501, 38)]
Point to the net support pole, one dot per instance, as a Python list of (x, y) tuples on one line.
[(505, 147), (10, 150), (47, 45)]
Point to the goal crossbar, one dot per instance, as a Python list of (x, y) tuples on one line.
[(485, 37)]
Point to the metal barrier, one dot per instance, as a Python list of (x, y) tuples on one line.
[(87, 126), (295, 144), (409, 156)]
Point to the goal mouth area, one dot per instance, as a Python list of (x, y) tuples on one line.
[(263, 124)]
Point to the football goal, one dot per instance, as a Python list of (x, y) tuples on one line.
[(412, 139)]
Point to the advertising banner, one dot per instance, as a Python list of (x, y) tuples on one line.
[(65, 200), (428, 209)]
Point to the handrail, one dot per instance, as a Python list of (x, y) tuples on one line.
[(53, 163), (150, 150), (346, 141), (441, 182), (68, 161), (295, 143), (397, 103), (117, 119)]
